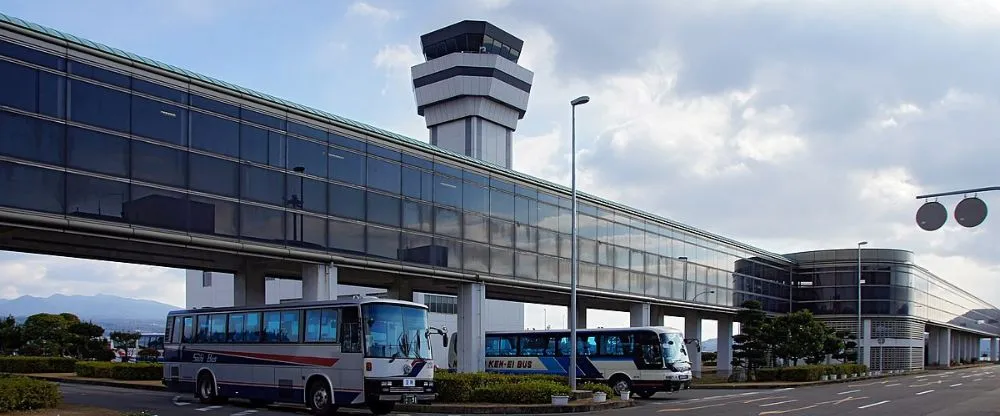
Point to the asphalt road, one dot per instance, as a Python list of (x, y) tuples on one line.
[(971, 392)]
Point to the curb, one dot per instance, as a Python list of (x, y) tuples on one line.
[(508, 409), (748, 386), (93, 382)]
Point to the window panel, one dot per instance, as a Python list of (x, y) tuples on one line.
[(215, 106), (347, 237), (588, 274), (214, 175), (264, 119), (526, 237), (321, 325), (96, 198), (475, 198), (99, 106), (20, 86), (216, 135), (476, 257), (548, 268), (526, 211), (548, 216), (384, 152), (501, 233), (417, 216), (264, 224), (587, 250), (452, 251), (350, 143), (526, 265), (476, 228), (565, 221), (383, 209), (501, 261), (262, 146), (262, 185), (416, 248), (447, 191), (548, 242), (305, 230), (565, 245), (621, 280), (383, 243), (417, 184), (306, 193), (32, 138), (100, 74), (290, 326), (52, 95), (159, 90), (154, 207), (310, 156), (159, 164), (447, 222), (347, 202), (384, 175), (605, 278), (306, 130), (347, 166), (501, 204), (158, 120), (417, 161), (213, 216)]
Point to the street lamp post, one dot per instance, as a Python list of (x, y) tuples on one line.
[(860, 330), (573, 260), (297, 202)]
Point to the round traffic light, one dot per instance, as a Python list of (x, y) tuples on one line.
[(931, 216), (971, 212)]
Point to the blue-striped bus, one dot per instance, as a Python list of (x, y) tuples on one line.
[(643, 360), (363, 351)]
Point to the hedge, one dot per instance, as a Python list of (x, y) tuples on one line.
[(525, 392), (29, 365), (808, 372), (595, 387), (461, 387), (120, 371), (22, 393)]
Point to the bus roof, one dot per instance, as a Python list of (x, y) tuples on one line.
[(657, 329), (297, 304)]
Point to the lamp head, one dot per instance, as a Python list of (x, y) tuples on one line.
[(863, 243), (583, 99), (299, 169)]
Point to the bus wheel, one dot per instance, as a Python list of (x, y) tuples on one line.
[(645, 393), (320, 399), (205, 390), (381, 408), (620, 383)]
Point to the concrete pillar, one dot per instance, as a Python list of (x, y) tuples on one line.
[(994, 343), (692, 332), (319, 282), (581, 315), (724, 341), (933, 350), (944, 347), (656, 314), (472, 339), (249, 287), (866, 342), (639, 314), (401, 289)]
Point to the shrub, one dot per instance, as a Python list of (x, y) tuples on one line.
[(595, 387), (768, 374), (526, 392), (22, 393), (29, 365), (802, 373), (460, 387), (120, 371)]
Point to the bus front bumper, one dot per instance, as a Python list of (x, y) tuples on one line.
[(394, 390)]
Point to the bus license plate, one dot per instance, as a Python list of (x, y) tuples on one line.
[(409, 382), (682, 377)]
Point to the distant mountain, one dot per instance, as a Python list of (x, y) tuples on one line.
[(95, 307), (710, 345)]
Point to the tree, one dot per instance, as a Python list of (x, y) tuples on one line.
[(48, 334), (750, 347), (10, 335), (798, 336), (84, 337)]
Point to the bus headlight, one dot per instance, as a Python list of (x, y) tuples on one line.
[(387, 383)]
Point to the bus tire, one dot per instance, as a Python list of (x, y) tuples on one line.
[(205, 389), (645, 393), (319, 398), (620, 383)]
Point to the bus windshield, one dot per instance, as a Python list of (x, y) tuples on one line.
[(395, 331), (673, 348)]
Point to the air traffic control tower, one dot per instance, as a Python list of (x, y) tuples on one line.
[(471, 91)]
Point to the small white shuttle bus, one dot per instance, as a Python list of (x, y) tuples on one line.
[(357, 352), (643, 360)]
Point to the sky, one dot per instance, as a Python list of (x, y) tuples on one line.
[(785, 124)]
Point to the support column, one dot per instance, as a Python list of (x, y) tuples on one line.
[(944, 347), (639, 314), (401, 289), (472, 339), (994, 344), (866, 342), (724, 342), (581, 315), (249, 287), (933, 351), (692, 333), (319, 282), (656, 314)]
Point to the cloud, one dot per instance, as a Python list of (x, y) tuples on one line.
[(376, 14)]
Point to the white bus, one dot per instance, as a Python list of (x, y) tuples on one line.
[(357, 352), (643, 360), (147, 340)]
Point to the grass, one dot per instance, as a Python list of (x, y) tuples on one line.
[(74, 410)]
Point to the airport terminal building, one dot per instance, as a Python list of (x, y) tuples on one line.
[(106, 154)]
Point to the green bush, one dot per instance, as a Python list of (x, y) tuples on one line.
[(808, 372), (459, 387), (525, 392), (22, 393), (803, 373), (595, 387), (768, 374), (120, 371), (29, 365)]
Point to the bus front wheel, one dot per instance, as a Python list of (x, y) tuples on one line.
[(379, 407), (320, 399), (620, 383), (206, 391)]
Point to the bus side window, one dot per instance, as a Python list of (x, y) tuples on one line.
[(350, 330), (188, 334)]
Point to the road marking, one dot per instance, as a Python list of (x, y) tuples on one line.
[(786, 389), (205, 409), (778, 412), (849, 391), (873, 404), (777, 403), (177, 401), (955, 385), (765, 398), (681, 409), (967, 376), (247, 412), (924, 392), (866, 384), (892, 385), (844, 400), (978, 379)]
